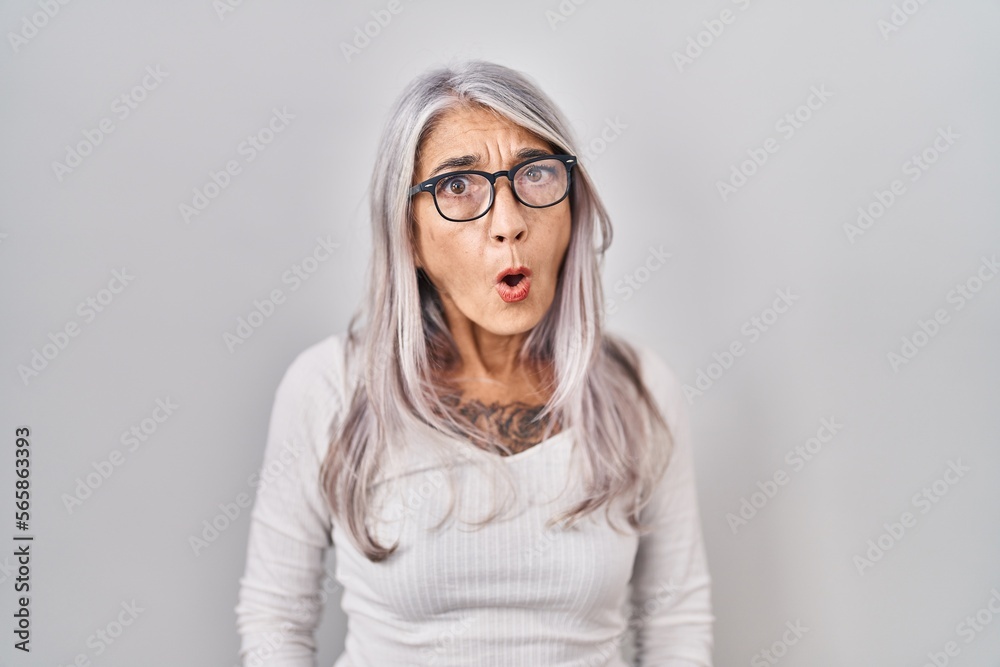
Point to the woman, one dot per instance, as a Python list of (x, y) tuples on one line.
[(504, 482)]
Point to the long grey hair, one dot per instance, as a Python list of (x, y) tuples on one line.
[(597, 389)]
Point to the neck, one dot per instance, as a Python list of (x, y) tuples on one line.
[(484, 355)]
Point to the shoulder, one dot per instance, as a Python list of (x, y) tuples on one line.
[(317, 370), (312, 390), (659, 378)]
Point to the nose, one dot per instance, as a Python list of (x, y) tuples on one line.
[(507, 215)]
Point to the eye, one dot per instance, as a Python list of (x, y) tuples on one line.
[(537, 173), (454, 186)]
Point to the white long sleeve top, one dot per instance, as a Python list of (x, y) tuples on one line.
[(513, 593)]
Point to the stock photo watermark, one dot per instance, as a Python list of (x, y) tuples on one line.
[(105, 636), (224, 8), (132, 439), (32, 23), (923, 500), (928, 329), (7, 569), (122, 107), (549, 536), (698, 43), (417, 495), (229, 512), (263, 309), (779, 648), (968, 629), (364, 34), (248, 149), (303, 615), (796, 459), (786, 125), (446, 639), (562, 12), (261, 654), (630, 283), (899, 16), (752, 330), (664, 595), (609, 134), (88, 310), (882, 200)]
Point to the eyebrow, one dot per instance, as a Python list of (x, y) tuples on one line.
[(465, 161)]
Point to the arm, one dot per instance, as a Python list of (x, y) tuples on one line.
[(671, 586), (279, 598)]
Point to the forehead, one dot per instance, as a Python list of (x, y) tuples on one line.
[(474, 130)]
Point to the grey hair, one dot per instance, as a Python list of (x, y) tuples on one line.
[(598, 392)]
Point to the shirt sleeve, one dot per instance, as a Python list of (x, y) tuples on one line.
[(280, 602), (671, 586)]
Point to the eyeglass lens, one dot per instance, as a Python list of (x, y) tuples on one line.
[(465, 196)]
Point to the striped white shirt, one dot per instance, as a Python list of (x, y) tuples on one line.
[(512, 593)]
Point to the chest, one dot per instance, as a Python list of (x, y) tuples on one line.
[(516, 424), (512, 562)]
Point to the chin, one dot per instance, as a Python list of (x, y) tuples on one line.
[(511, 323)]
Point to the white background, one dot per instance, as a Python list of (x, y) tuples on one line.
[(682, 129)]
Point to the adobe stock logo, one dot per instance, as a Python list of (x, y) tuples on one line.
[(122, 107), (363, 35), (88, 309), (968, 629), (566, 9), (295, 276), (30, 25), (609, 134), (138, 434), (899, 17), (914, 167), (927, 330), (796, 458), (104, 637), (632, 282), (779, 648), (753, 329), (224, 7), (787, 125), (924, 500), (249, 149), (697, 44)]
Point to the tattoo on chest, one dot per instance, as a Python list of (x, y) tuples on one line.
[(513, 424)]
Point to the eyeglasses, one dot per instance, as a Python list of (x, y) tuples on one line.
[(461, 196)]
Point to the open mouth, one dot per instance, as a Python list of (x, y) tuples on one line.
[(513, 278), (514, 284)]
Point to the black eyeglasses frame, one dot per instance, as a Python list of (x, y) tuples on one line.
[(431, 183)]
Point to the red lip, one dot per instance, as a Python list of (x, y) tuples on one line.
[(523, 270), (518, 292)]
